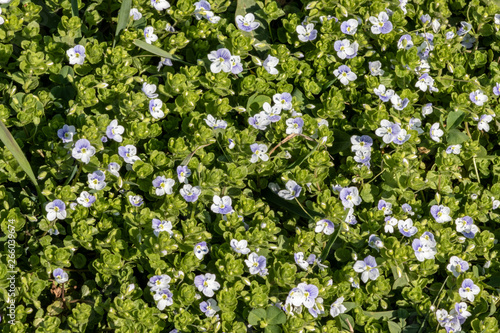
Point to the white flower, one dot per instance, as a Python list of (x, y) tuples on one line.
[(270, 63), (160, 4), (76, 55), (259, 151), (240, 246), (149, 35), (390, 223), (306, 33), (376, 68), (149, 90), (136, 15), (337, 307), (436, 133)]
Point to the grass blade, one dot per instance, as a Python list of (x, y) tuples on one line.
[(13, 147), (159, 52), (123, 18)]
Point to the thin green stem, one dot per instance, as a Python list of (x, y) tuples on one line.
[(434, 302)]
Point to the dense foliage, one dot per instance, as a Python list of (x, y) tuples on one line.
[(250, 166)]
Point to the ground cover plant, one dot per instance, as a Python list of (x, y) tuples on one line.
[(249, 166)]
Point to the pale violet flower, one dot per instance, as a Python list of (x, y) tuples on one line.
[(294, 125), (478, 97), (149, 35), (381, 24), (256, 264), (164, 299), (231, 143), (427, 109), (155, 108), (206, 284), (376, 68), (383, 94), (83, 151), (464, 29), (160, 4), (114, 131), (161, 226), (454, 149), (324, 226), (56, 210), (128, 153), (390, 223), (441, 213), (483, 124), (247, 22), (337, 307), (114, 169), (60, 276), (163, 185), (387, 130), (200, 250), (159, 282), (401, 137), (385, 206), (375, 242), (469, 290), (405, 42), (350, 197), (466, 226), (367, 268), (436, 133), (236, 66), (221, 60), (135, 13), (85, 199), (349, 27), (457, 266), (416, 125), (406, 227), (344, 74), (96, 180), (282, 101), (270, 64), (423, 251), (259, 152), (76, 55), (240, 246), (304, 263), (149, 90), (183, 173), (214, 123), (398, 103), (135, 200), (292, 190), (260, 121), (66, 133), (346, 50), (190, 193), (307, 33), (426, 82), (209, 308), (221, 205)]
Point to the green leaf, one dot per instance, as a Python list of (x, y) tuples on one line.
[(74, 12), (272, 329), (11, 144), (256, 101), (328, 247), (300, 161), (393, 327), (256, 316), (454, 119), (156, 50), (344, 319), (456, 137), (349, 306), (287, 205), (123, 18), (275, 316)]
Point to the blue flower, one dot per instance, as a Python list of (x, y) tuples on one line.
[(56, 209), (183, 173), (96, 180), (83, 151), (256, 264), (350, 197), (466, 226), (247, 22), (128, 153), (160, 226), (135, 200), (206, 284), (221, 61), (292, 190), (200, 250), (349, 27), (66, 133), (60, 275), (406, 227), (468, 290), (221, 205), (190, 193), (367, 268), (85, 199), (381, 24), (307, 33), (209, 308)]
